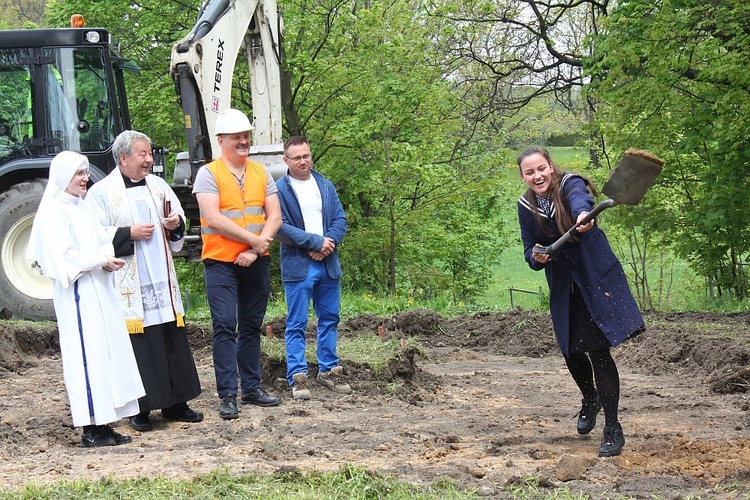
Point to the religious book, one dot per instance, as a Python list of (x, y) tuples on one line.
[(167, 211)]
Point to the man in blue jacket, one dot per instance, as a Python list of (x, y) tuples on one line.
[(313, 225)]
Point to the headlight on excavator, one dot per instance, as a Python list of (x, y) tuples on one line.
[(92, 36)]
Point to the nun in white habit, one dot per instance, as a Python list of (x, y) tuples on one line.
[(70, 246)]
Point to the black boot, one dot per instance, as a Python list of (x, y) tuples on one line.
[(587, 415), (612, 441)]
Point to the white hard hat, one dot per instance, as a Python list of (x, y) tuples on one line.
[(232, 121)]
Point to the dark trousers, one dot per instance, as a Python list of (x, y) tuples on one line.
[(166, 365), (237, 297)]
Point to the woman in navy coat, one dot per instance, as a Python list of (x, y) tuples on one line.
[(591, 305)]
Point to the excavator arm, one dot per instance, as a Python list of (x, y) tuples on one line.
[(202, 67)]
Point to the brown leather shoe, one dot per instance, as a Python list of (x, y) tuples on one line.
[(334, 380)]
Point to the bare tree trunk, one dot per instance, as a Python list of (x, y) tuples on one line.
[(292, 121), (392, 217)]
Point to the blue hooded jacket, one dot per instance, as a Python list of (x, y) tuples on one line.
[(295, 241)]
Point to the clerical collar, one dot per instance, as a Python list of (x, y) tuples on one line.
[(129, 183)]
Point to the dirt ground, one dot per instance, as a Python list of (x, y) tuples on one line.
[(484, 399)]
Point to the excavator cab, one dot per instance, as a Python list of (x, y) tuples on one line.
[(60, 89)]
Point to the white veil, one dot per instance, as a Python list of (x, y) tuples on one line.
[(47, 222)]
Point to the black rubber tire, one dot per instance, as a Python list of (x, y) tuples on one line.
[(24, 293)]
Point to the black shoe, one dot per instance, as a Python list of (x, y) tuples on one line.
[(141, 422), (228, 409), (119, 438), (93, 437), (259, 397), (612, 441), (587, 415), (183, 414), (102, 435)]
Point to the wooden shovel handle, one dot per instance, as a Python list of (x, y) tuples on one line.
[(553, 248)]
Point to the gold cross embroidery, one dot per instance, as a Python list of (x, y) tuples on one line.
[(128, 294)]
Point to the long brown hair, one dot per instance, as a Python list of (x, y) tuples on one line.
[(563, 218)]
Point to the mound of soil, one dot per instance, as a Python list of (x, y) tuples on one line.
[(484, 399)]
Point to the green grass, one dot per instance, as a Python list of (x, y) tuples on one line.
[(513, 272), (363, 349), (348, 483), (528, 488), (371, 350), (571, 159)]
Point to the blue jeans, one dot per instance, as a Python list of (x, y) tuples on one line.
[(237, 296), (325, 294)]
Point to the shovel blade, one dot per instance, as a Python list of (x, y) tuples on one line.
[(631, 179)]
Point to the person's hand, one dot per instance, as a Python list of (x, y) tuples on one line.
[(587, 226), (141, 231), (261, 244), (113, 264), (246, 258), (171, 222), (316, 256), (328, 247), (542, 258)]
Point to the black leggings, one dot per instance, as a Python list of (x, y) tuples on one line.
[(600, 365)]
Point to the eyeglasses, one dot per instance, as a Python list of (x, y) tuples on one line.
[(83, 173), (297, 159)]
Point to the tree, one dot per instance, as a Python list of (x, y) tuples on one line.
[(515, 53), (17, 14), (672, 75), (386, 126)]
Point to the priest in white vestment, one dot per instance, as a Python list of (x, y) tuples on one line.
[(145, 222), (71, 247)]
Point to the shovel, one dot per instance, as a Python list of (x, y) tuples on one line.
[(627, 184)]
